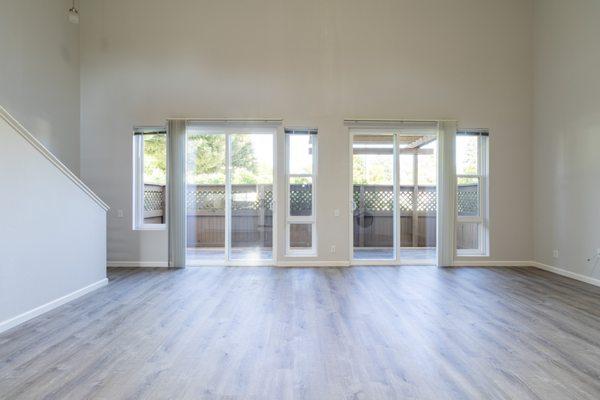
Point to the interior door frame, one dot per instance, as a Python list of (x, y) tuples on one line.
[(227, 130), (398, 259)]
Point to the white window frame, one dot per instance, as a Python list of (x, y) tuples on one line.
[(138, 180), (483, 177), (312, 219)]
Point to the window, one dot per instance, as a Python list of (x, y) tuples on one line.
[(150, 178), (471, 192), (301, 175)]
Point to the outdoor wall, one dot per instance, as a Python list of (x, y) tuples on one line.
[(567, 134), (312, 63), (39, 73)]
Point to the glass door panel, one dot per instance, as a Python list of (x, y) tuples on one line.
[(205, 197), (251, 204), (417, 197), (373, 196)]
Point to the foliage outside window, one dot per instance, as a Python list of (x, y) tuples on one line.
[(150, 178), (206, 166)]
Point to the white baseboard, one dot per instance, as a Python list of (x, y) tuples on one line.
[(568, 274), (26, 316), (313, 264), (316, 263), (333, 264), (488, 263), (137, 264), (164, 264)]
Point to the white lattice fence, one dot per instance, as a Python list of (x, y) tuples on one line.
[(468, 200), (373, 198), (207, 202), (154, 203), (154, 197)]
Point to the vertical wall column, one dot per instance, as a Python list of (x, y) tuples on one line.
[(446, 193), (176, 192)]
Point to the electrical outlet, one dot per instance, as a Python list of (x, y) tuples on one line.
[(332, 249), (555, 253), (336, 212), (119, 213)]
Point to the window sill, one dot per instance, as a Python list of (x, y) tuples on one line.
[(154, 227), (300, 253), (471, 253)]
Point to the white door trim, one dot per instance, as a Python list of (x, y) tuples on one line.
[(228, 131)]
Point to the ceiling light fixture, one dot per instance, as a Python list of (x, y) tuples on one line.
[(73, 14)]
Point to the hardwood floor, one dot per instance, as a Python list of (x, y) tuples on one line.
[(353, 333)]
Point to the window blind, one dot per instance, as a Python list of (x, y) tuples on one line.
[(149, 130), (301, 131), (473, 132)]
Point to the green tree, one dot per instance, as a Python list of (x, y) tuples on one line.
[(155, 160), (466, 154), (243, 160), (370, 169), (206, 159)]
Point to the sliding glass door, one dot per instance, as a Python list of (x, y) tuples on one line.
[(394, 196), (417, 197), (206, 181), (229, 195), (373, 193), (251, 206)]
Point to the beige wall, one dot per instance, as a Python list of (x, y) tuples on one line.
[(567, 134), (39, 73), (312, 63)]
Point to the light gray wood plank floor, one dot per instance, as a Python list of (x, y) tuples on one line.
[(353, 333)]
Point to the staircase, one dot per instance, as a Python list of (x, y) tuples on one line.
[(52, 229)]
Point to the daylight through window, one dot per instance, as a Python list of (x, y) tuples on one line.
[(471, 192), (150, 178)]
